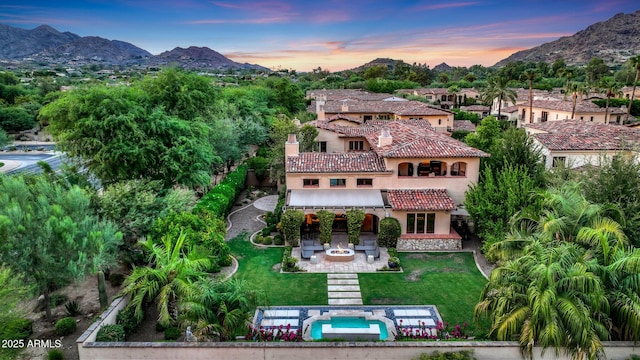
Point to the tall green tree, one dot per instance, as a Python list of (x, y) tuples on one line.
[(487, 134), (119, 137), (50, 233)]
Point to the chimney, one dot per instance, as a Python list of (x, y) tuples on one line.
[(320, 103), (345, 106), (385, 138), (291, 147)]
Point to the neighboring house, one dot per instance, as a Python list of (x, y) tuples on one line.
[(522, 98), (389, 108), (480, 110), (403, 169), (575, 143), (465, 125), (625, 93), (442, 97), (544, 110)]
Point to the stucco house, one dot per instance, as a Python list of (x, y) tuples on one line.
[(555, 110), (398, 168), (575, 143), (362, 106)]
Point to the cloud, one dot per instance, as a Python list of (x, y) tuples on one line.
[(444, 6)]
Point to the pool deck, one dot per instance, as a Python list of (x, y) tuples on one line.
[(297, 317)]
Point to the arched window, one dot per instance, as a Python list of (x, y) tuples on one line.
[(405, 169), (459, 169)]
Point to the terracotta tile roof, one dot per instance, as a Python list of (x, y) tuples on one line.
[(421, 199), (343, 94), (463, 125), (353, 119), (585, 135), (475, 108), (410, 139), (582, 107), (335, 163), (411, 142), (403, 108)]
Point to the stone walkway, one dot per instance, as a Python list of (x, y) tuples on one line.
[(343, 289)]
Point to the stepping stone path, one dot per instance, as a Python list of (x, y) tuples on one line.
[(343, 289)]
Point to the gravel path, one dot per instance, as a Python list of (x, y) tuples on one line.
[(474, 244)]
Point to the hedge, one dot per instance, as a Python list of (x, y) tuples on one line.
[(221, 198)]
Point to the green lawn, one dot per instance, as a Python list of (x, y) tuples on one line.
[(261, 268), (450, 281)]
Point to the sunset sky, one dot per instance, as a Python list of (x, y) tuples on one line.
[(332, 34)]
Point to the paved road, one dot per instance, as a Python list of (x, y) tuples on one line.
[(29, 162)]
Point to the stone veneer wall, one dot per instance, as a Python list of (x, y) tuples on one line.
[(429, 244)]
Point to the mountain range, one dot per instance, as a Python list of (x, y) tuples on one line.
[(614, 40), (45, 44)]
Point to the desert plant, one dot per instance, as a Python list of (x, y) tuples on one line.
[(55, 354), (72, 307), (66, 326), (172, 333), (110, 333)]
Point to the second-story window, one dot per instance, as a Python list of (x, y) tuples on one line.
[(356, 145), (337, 182), (364, 182), (310, 182), (321, 146)]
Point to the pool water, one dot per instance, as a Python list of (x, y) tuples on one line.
[(348, 323)]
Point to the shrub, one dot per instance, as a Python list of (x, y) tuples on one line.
[(128, 320), (390, 231), (278, 239), (66, 326), (18, 329), (110, 333), (291, 221), (289, 262), (457, 355), (72, 307), (355, 217), (172, 333), (268, 240), (116, 279), (55, 354), (222, 197), (326, 225), (266, 231)]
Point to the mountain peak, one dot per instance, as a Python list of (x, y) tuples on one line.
[(614, 40)]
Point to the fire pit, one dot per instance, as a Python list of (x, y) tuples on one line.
[(340, 254)]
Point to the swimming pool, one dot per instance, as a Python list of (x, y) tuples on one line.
[(348, 323)]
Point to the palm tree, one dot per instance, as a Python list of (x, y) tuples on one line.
[(567, 73), (610, 88), (574, 88), (635, 62), (169, 277), (454, 89), (547, 297), (220, 309), (530, 74), (498, 87)]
